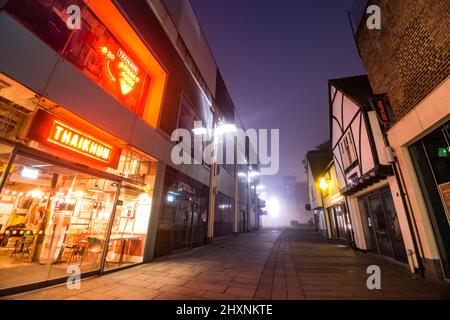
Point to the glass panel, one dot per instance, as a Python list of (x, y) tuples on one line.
[(368, 227), (394, 227), (46, 18), (224, 216), (433, 200), (381, 226), (438, 152), (92, 48), (56, 217), (129, 230), (99, 55), (182, 224)]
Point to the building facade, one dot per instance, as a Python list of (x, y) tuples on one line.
[(408, 65), (363, 168), (317, 162), (87, 179)]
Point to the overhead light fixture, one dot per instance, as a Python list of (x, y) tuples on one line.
[(30, 173)]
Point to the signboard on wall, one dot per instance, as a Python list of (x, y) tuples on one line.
[(382, 107), (445, 194), (76, 143)]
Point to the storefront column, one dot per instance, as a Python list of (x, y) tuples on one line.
[(236, 190), (157, 204)]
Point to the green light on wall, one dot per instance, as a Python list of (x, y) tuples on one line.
[(443, 152)]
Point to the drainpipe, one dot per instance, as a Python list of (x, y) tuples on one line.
[(412, 224), (410, 218)]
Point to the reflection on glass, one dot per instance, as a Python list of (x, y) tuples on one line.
[(129, 230), (52, 217)]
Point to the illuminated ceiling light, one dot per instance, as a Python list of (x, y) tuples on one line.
[(79, 194), (144, 198), (170, 198), (323, 184), (30, 173), (36, 193), (242, 174)]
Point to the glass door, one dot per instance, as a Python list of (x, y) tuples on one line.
[(381, 226), (129, 227), (369, 229), (394, 226)]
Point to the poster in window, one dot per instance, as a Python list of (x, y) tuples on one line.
[(445, 194)]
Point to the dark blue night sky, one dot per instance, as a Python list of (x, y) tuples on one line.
[(276, 57)]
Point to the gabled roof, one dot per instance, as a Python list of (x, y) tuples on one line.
[(318, 161), (356, 88)]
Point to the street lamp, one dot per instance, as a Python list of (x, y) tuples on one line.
[(323, 184)]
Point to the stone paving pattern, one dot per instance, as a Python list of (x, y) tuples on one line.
[(293, 264)]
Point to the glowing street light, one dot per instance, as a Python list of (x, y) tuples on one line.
[(323, 184)]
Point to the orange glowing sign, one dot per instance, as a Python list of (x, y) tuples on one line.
[(72, 139), (125, 71)]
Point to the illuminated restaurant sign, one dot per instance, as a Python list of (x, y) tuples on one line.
[(79, 142), (121, 69), (53, 132)]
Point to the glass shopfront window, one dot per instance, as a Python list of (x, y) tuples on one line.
[(53, 217), (182, 223), (129, 229), (224, 216), (431, 158)]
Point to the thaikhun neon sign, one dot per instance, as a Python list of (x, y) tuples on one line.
[(125, 71), (72, 139)]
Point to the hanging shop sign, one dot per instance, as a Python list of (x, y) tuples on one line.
[(383, 108), (53, 132)]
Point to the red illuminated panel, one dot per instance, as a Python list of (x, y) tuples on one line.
[(76, 144), (72, 139), (121, 69)]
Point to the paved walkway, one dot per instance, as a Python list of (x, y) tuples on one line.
[(272, 264)]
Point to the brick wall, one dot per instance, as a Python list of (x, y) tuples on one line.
[(409, 56)]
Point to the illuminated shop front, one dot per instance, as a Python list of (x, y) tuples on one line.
[(335, 216), (105, 49), (72, 199)]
